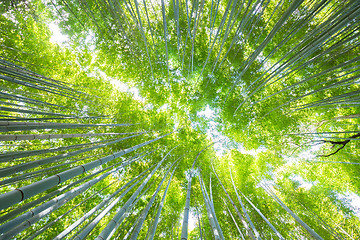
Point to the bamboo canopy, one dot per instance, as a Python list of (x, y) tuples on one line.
[(179, 119)]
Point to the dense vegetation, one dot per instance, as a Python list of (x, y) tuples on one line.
[(180, 119)]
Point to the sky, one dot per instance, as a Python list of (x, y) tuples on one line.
[(57, 36), (223, 142)]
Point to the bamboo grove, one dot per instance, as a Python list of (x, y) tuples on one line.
[(179, 119)]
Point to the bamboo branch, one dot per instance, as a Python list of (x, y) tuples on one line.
[(335, 143)]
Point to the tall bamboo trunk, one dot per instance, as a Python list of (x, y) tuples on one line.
[(249, 232), (37, 213), (297, 218), (21, 137), (111, 227), (184, 231), (146, 210), (156, 220), (29, 165), (102, 204), (10, 198), (244, 209), (210, 212)]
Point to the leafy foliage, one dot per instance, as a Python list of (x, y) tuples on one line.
[(263, 91)]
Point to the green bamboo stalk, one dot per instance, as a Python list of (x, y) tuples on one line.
[(301, 222), (232, 217), (244, 209), (22, 137), (60, 200), (10, 198), (29, 205), (46, 125), (111, 227), (249, 232), (263, 217), (43, 171), (33, 216), (144, 38), (184, 231), (84, 232), (199, 222), (7, 157), (28, 100), (102, 204), (216, 230), (217, 34), (308, 49), (156, 220), (47, 226), (146, 210)]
